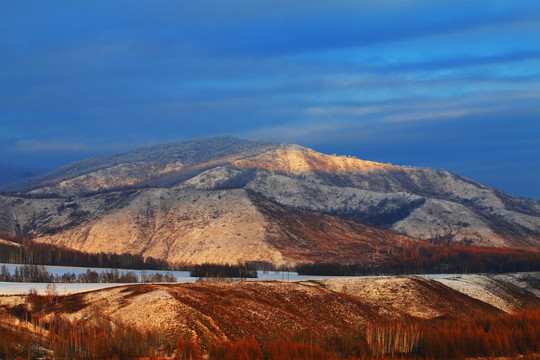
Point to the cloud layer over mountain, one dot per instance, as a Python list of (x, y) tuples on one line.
[(451, 85)]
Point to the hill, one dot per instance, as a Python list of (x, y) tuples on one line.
[(352, 317)]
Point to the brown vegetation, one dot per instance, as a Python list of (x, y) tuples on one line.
[(427, 258), (506, 335), (305, 236)]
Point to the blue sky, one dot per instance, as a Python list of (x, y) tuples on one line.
[(442, 84)]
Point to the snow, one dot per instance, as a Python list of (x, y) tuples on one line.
[(17, 288)]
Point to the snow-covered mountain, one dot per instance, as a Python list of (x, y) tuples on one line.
[(225, 199)]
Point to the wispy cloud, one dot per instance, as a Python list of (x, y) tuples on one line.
[(438, 115), (33, 146), (332, 111)]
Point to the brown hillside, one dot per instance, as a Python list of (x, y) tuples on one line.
[(236, 310)]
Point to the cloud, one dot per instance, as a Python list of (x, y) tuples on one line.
[(38, 146), (332, 111), (304, 133), (319, 27), (437, 115), (385, 79)]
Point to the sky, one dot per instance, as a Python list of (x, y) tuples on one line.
[(451, 85)]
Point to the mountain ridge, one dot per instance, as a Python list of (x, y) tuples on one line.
[(177, 151), (12, 174)]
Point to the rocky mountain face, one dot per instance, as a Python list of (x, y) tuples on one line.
[(224, 199)]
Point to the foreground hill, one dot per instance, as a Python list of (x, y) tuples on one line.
[(323, 309), (360, 318), (225, 199)]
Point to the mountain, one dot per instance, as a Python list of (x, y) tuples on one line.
[(224, 199), (10, 174)]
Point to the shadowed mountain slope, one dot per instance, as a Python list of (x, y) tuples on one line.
[(10, 174)]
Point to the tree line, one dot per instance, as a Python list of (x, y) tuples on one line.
[(435, 258), (227, 271), (39, 274), (414, 259), (26, 251)]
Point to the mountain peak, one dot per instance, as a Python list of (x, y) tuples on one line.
[(296, 159)]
